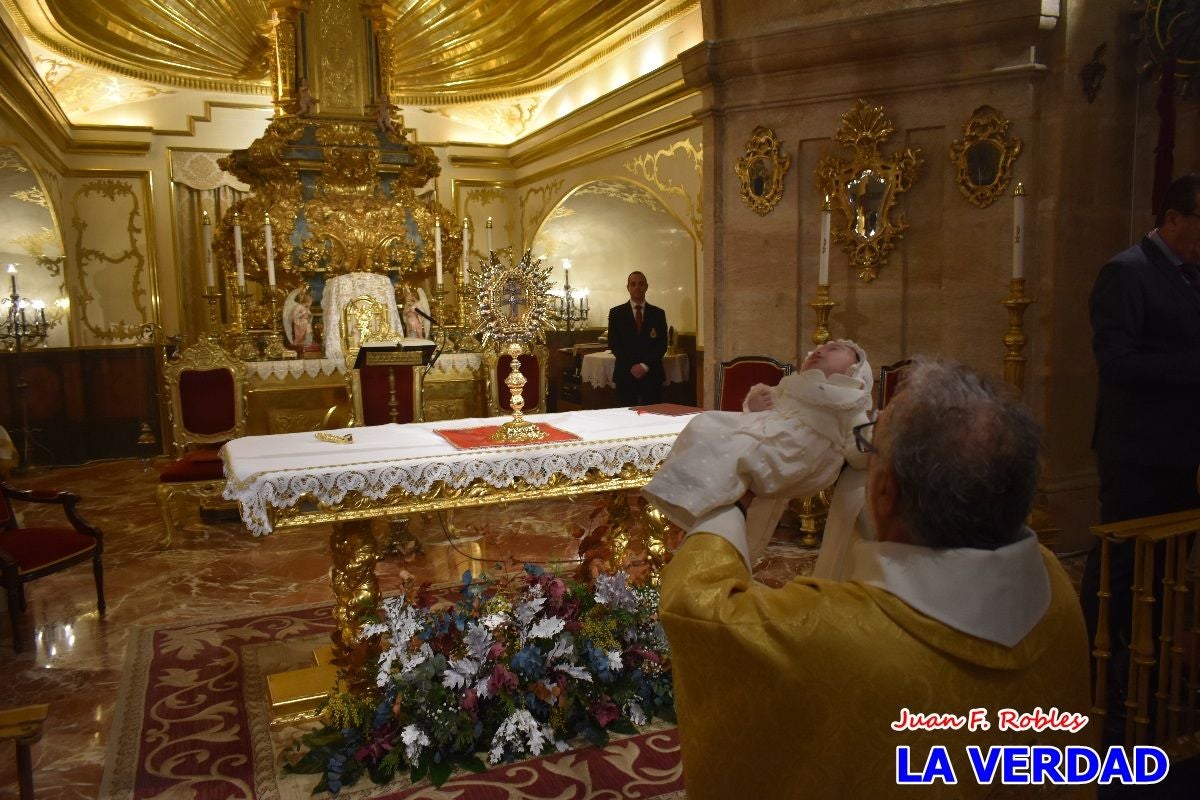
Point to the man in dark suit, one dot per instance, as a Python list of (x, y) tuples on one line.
[(637, 336), (1145, 313)]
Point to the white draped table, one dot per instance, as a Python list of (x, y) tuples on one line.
[(597, 368), (296, 479)]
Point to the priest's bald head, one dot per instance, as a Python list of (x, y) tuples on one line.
[(955, 462)]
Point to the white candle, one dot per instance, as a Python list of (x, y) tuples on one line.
[(437, 249), (237, 249), (270, 251), (466, 249), (489, 235), (206, 230), (1018, 240), (823, 271), (12, 271)]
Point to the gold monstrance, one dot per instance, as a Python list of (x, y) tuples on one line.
[(513, 309)]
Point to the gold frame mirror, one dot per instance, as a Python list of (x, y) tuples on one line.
[(761, 171), (984, 157), (866, 188)]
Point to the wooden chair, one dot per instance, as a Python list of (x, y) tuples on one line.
[(890, 378), (207, 407), (24, 727), (736, 376), (31, 552), (498, 366)]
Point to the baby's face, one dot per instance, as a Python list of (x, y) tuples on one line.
[(831, 358)]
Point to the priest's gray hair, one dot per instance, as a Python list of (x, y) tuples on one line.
[(965, 454)]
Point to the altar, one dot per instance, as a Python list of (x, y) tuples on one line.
[(297, 479)]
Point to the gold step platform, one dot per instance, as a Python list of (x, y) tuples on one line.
[(298, 693)]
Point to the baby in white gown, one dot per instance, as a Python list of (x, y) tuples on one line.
[(790, 441)]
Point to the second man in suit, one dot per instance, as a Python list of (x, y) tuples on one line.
[(637, 336)]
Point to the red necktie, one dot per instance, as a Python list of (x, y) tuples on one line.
[(637, 317)]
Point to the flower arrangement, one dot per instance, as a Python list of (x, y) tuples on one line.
[(507, 672)]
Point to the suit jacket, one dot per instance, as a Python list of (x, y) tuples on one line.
[(631, 347), (1146, 339)]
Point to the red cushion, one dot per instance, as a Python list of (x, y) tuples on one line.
[(34, 548), (736, 381), (206, 400), (532, 371), (375, 395), (199, 465)]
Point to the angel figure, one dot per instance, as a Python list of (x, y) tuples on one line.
[(297, 317), (306, 104), (413, 298)]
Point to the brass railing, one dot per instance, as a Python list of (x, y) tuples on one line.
[(1163, 686)]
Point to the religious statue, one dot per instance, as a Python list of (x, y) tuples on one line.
[(411, 299), (297, 317), (384, 117), (306, 104)]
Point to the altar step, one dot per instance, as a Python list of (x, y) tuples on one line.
[(298, 693)]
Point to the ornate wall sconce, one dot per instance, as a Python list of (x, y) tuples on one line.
[(866, 188), (984, 157), (761, 171)]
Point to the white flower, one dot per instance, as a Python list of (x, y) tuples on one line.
[(459, 673), (414, 740), (522, 735), (493, 621), (563, 647), (635, 713), (613, 591), (478, 641), (575, 671), (614, 660), (547, 628)]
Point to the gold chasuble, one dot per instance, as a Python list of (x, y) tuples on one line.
[(793, 692)]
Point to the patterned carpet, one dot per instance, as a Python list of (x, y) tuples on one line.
[(192, 721), (77, 661)]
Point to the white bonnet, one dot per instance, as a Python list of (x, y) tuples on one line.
[(862, 370)]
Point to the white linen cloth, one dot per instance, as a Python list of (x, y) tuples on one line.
[(597, 369), (277, 470)]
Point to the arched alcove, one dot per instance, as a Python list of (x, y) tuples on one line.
[(607, 228), (31, 241)]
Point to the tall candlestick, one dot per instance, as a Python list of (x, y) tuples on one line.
[(12, 272), (1018, 240), (567, 268), (437, 249), (237, 249), (466, 248), (823, 271), (489, 235), (206, 230), (270, 250)]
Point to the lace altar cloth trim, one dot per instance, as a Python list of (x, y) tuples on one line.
[(276, 471), (460, 365)]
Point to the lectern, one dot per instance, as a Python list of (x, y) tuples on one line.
[(385, 383)]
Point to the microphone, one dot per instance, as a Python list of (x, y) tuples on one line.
[(425, 316)]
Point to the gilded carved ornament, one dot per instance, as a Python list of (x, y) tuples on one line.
[(654, 167), (984, 157), (761, 171), (866, 187)]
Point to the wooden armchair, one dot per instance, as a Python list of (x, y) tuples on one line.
[(207, 407), (736, 376), (498, 366), (29, 553), (890, 378)]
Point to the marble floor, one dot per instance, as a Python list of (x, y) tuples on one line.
[(74, 658)]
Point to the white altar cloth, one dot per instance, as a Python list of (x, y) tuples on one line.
[(275, 471), (448, 366), (597, 368)]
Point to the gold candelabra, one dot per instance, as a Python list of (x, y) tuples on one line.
[(822, 305), (1014, 337), (247, 349), (213, 297), (273, 349)]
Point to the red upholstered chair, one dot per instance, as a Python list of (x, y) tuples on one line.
[(206, 389), (735, 377), (533, 366), (382, 394), (29, 553), (890, 378)]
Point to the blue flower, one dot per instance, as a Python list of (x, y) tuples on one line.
[(528, 662)]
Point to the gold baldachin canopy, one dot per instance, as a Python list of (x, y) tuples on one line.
[(447, 51)]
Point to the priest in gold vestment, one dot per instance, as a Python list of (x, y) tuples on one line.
[(799, 692)]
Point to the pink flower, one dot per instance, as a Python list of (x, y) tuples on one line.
[(605, 711), (469, 702), (501, 681)]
